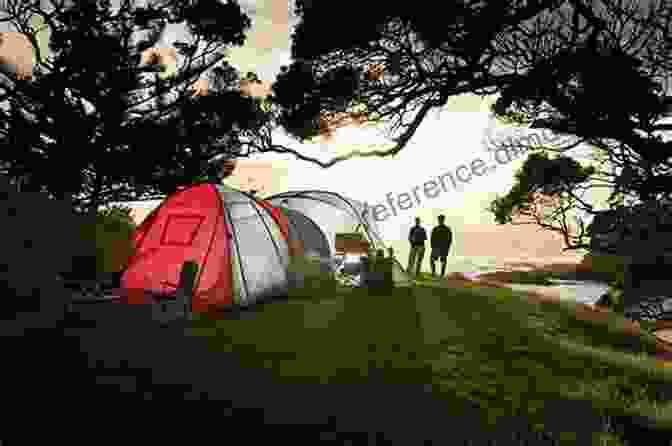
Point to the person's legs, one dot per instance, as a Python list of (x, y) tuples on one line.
[(444, 260), (411, 259), (432, 264), (420, 256)]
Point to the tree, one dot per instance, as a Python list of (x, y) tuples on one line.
[(629, 41), (396, 62), (545, 60), (567, 93), (95, 125), (538, 197), (594, 70)]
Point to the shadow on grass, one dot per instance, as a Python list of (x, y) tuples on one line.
[(491, 347), (448, 364)]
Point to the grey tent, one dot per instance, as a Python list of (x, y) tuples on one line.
[(334, 214), (302, 228)]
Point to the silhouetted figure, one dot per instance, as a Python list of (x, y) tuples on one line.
[(416, 238), (442, 238)]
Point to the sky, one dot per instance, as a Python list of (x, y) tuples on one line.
[(443, 142)]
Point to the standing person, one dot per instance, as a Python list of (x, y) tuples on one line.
[(417, 238), (442, 238)]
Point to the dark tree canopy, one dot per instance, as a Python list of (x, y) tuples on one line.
[(94, 126), (596, 71), (392, 64), (612, 93)]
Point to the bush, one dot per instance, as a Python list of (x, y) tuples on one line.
[(105, 244), (610, 268), (114, 242), (36, 237)]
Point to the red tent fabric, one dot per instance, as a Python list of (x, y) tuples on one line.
[(239, 245)]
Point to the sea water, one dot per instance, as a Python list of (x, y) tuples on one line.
[(581, 291)]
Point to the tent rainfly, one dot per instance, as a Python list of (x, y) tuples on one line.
[(238, 244)]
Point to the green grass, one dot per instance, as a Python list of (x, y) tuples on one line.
[(531, 277), (490, 346)]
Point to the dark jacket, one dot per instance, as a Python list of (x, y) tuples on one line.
[(417, 236), (442, 237)]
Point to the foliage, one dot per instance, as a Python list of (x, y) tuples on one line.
[(542, 194), (37, 237), (612, 267), (399, 61), (126, 133), (545, 60), (104, 244), (565, 92)]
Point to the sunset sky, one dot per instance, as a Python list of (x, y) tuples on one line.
[(446, 140)]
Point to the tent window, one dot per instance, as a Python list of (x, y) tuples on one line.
[(180, 230)]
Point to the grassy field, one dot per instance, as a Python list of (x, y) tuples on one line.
[(483, 346)]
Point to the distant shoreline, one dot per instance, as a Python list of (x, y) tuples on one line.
[(562, 271)]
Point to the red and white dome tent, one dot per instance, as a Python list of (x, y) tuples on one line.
[(243, 244), (239, 245)]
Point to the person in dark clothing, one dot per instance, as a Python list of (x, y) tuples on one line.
[(442, 238), (417, 238)]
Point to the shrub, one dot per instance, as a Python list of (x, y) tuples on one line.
[(114, 239), (105, 243), (609, 267), (36, 237)]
